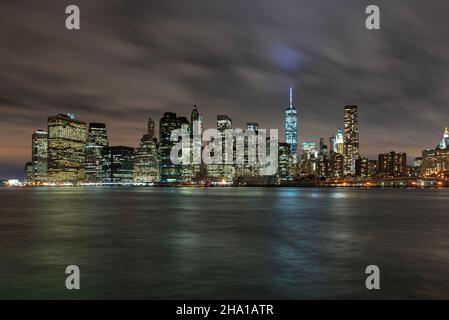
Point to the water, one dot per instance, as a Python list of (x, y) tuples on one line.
[(230, 243)]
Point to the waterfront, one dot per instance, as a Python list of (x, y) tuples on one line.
[(212, 243)]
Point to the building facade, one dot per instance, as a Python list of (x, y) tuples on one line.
[(118, 164), (97, 140), (291, 128), (393, 164), (39, 157), (351, 139), (66, 149)]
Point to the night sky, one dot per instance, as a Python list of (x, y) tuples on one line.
[(137, 59)]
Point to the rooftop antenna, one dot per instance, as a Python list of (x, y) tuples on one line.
[(291, 98)]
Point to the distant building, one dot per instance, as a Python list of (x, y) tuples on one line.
[(285, 162), (118, 164), (444, 144), (323, 160), (252, 126), (28, 171), (428, 162), (169, 172), (186, 171), (417, 162), (362, 169), (66, 149), (309, 158), (373, 169), (351, 139), (39, 157), (224, 171), (339, 142), (97, 140), (196, 123), (393, 164), (291, 128), (442, 160), (416, 169), (335, 165), (146, 166)]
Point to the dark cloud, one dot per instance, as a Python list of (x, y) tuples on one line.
[(136, 59)]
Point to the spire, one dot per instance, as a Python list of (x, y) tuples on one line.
[(291, 99)]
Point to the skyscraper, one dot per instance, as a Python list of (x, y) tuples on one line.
[(323, 160), (150, 129), (224, 171), (117, 164), (169, 172), (66, 149), (146, 166), (393, 164), (351, 140), (97, 140), (291, 128), (445, 141), (28, 171), (284, 162), (185, 171), (196, 131), (339, 142), (39, 156)]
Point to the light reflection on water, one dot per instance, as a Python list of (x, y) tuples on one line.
[(224, 242)]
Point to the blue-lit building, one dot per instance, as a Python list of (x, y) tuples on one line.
[(291, 128)]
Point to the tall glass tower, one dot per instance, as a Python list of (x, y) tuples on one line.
[(291, 128), (351, 139)]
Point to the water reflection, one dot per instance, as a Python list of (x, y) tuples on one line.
[(224, 242)]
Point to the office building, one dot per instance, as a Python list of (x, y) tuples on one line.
[(146, 166), (39, 157), (118, 165), (351, 139), (291, 128), (97, 140), (66, 149)]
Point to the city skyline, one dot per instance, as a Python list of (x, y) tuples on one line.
[(149, 134), (73, 151), (118, 69)]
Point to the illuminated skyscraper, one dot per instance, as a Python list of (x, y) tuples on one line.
[(323, 160), (224, 171), (150, 129), (28, 170), (97, 140), (66, 149), (196, 116), (393, 164), (284, 162), (362, 167), (339, 142), (168, 171), (291, 128), (309, 158), (118, 164), (185, 171), (445, 141), (351, 140), (146, 166), (39, 156), (309, 150), (196, 132)]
